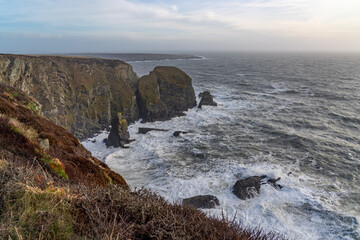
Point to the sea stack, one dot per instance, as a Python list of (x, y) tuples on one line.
[(165, 93), (119, 134)]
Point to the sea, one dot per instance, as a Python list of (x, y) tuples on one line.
[(290, 115)]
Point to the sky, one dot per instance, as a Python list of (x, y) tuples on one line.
[(64, 26)]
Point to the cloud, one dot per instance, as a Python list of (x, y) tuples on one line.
[(211, 21)]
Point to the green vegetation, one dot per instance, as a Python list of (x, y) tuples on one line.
[(15, 129), (29, 212), (33, 106), (54, 164)]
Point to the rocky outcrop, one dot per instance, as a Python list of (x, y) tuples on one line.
[(119, 134), (250, 187), (27, 138), (164, 93), (81, 94), (206, 99), (202, 201)]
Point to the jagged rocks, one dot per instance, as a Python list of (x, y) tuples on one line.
[(202, 201), (164, 93), (206, 99), (248, 187), (119, 134)]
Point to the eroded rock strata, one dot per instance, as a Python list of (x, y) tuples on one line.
[(80, 94), (85, 95)]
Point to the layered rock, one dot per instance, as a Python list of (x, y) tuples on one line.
[(81, 94), (164, 93)]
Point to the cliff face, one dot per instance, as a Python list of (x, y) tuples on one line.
[(84, 95), (165, 93), (80, 94)]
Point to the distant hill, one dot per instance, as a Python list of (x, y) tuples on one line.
[(135, 56)]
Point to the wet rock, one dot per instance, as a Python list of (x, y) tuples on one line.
[(202, 201), (146, 130), (177, 133), (248, 187), (119, 134), (206, 99), (272, 182)]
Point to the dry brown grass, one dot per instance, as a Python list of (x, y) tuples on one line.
[(48, 209)]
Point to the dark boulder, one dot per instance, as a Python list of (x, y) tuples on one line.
[(177, 133), (165, 93), (119, 135), (248, 187), (202, 201), (206, 99), (146, 130)]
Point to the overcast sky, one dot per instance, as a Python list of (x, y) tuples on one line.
[(50, 26)]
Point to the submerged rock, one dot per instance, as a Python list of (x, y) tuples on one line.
[(177, 133), (119, 134), (202, 201), (272, 182), (146, 130), (165, 93), (206, 99)]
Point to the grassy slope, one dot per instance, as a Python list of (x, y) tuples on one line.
[(62, 192)]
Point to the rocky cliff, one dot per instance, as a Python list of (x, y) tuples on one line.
[(84, 95), (80, 94), (165, 93)]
